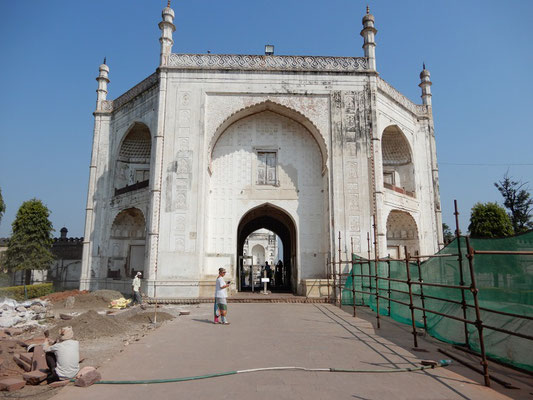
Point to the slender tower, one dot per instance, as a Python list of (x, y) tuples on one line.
[(425, 85), (101, 121), (167, 28), (369, 35)]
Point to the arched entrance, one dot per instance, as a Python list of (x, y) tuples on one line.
[(402, 233), (278, 221)]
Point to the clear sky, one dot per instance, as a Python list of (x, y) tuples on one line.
[(479, 53)]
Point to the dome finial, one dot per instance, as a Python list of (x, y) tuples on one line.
[(105, 60), (168, 3)]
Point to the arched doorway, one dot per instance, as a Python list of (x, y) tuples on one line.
[(402, 233), (127, 243), (278, 221)]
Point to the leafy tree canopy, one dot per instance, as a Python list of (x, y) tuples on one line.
[(518, 201), (31, 242), (448, 235), (489, 220), (2, 206)]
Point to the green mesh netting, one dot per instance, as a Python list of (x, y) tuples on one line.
[(505, 284)]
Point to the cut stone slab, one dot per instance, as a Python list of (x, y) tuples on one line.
[(27, 357), (21, 363), (34, 377), (65, 316), (88, 379), (12, 384), (59, 384), (39, 359), (13, 331)]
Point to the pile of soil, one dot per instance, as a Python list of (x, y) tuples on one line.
[(108, 295), (148, 317), (90, 325), (62, 296)]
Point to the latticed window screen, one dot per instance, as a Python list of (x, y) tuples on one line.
[(266, 168)]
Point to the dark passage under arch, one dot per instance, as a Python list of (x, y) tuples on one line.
[(276, 220)]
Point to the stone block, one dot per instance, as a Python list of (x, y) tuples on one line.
[(21, 363), (88, 378), (1, 363), (27, 357), (12, 384), (34, 377), (59, 384), (66, 317), (39, 359), (13, 331)]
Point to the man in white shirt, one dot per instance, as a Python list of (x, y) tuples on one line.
[(136, 285), (63, 358), (221, 295)]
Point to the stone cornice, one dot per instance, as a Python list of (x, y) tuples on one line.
[(135, 91), (268, 63), (417, 109)]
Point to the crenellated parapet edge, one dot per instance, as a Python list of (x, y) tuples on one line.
[(113, 105), (268, 63), (417, 109)]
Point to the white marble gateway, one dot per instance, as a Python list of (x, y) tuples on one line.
[(212, 147)]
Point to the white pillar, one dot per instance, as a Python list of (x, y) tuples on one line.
[(167, 28), (369, 35), (425, 85), (101, 116)]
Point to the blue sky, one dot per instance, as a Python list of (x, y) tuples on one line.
[(479, 52)]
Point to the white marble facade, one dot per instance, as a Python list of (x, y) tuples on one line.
[(307, 146)]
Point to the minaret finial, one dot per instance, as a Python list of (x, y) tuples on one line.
[(367, 9), (168, 3), (423, 65), (105, 60)]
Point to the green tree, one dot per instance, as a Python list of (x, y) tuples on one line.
[(448, 235), (489, 220), (31, 242), (518, 201), (2, 206)]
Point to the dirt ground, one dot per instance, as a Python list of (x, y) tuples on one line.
[(101, 335)]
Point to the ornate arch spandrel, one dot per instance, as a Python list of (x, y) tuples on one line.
[(269, 105)]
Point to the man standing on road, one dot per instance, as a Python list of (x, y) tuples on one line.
[(221, 295), (136, 285)]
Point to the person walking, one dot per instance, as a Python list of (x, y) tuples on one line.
[(221, 296), (136, 286)]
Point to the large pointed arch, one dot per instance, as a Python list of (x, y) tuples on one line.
[(279, 221), (277, 108)]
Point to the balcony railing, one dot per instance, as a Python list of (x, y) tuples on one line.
[(399, 190), (131, 188)]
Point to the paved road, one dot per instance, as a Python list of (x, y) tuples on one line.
[(268, 335)]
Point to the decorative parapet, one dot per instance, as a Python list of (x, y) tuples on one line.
[(417, 109), (135, 91), (268, 63)]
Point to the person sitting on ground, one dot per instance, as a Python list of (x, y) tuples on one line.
[(62, 358)]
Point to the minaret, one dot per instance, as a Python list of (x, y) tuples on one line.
[(425, 85), (369, 33), (167, 28), (103, 80)]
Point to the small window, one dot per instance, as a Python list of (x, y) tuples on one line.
[(388, 177), (266, 168)]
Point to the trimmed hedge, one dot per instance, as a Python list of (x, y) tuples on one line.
[(17, 292)]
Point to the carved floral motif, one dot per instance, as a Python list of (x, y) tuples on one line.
[(275, 63)]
